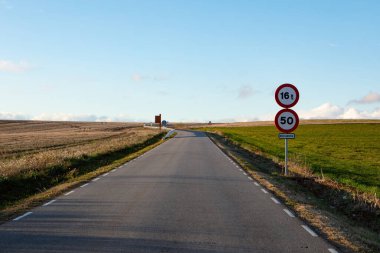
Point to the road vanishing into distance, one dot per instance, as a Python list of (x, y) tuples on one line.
[(185, 195)]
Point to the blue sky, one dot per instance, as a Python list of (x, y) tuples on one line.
[(194, 60)]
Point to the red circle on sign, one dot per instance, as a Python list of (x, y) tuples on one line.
[(279, 126), (291, 86)]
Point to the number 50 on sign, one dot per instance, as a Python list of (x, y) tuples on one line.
[(286, 120)]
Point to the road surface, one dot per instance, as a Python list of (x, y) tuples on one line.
[(183, 196)]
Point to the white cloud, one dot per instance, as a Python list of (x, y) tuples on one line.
[(245, 91), (13, 116), (372, 97), (330, 111), (324, 111), (14, 67)]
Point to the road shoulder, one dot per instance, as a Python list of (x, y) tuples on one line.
[(330, 224)]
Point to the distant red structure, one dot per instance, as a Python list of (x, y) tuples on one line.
[(157, 120)]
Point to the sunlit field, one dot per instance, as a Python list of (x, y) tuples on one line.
[(347, 153)]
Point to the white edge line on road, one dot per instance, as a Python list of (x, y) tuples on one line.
[(104, 175), (245, 173), (289, 213), (333, 251), (250, 178), (68, 193), (309, 230), (22, 216), (95, 179), (257, 184), (239, 168), (275, 200), (50, 202), (84, 185), (263, 190), (113, 170)]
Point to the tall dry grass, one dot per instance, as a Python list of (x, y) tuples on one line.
[(33, 146)]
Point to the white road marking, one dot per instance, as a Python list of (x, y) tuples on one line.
[(113, 170), (263, 190), (245, 173), (275, 200), (68, 193), (106, 174), (96, 179), (239, 168), (50, 202), (333, 251), (84, 185), (289, 213), (250, 178), (22, 216), (309, 231), (257, 184)]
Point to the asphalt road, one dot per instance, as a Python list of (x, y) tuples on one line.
[(183, 196)]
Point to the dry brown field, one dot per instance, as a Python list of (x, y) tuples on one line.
[(27, 146)]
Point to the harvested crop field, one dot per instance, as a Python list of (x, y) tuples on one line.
[(37, 155)]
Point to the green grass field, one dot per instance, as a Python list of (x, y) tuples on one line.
[(347, 153)]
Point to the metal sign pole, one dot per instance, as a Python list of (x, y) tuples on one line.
[(286, 157)]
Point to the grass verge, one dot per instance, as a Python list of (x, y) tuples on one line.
[(346, 233), (23, 192), (345, 153)]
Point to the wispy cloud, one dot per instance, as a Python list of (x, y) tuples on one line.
[(140, 77), (85, 117), (245, 91), (70, 117), (14, 67), (6, 4), (237, 119), (162, 93), (332, 44), (372, 97)]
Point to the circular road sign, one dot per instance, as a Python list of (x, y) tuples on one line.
[(287, 95), (286, 120)]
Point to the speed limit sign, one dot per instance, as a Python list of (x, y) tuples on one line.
[(286, 120), (287, 95)]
